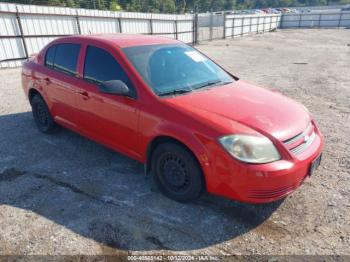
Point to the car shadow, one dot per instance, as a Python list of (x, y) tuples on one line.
[(105, 196)]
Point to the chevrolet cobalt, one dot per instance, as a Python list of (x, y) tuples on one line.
[(193, 125)]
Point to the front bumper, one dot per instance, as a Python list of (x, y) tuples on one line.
[(260, 183)]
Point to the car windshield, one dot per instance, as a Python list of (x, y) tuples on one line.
[(175, 69)]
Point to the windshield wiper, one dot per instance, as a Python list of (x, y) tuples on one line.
[(212, 83), (175, 92)]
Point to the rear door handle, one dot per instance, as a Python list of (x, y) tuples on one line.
[(84, 94), (48, 80)]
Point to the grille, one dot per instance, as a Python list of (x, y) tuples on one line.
[(271, 193), (299, 143), (275, 192), (298, 137), (302, 147)]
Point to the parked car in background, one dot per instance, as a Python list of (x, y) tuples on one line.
[(275, 11), (304, 11), (244, 12), (258, 11), (286, 10), (194, 126)]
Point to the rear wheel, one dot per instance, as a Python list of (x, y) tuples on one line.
[(177, 172), (42, 116)]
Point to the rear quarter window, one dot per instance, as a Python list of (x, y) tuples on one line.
[(50, 56)]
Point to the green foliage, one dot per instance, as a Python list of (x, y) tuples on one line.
[(178, 6), (114, 6)]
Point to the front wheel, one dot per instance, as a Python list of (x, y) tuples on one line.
[(42, 116), (177, 172)]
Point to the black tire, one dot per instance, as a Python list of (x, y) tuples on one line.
[(177, 172), (42, 115)]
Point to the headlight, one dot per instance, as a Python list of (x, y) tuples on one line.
[(250, 149)]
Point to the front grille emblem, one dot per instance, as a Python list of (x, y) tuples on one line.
[(303, 140)]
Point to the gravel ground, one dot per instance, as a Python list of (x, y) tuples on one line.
[(63, 194)]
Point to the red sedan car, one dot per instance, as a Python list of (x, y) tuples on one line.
[(192, 124)]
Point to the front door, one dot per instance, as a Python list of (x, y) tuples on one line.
[(110, 119)]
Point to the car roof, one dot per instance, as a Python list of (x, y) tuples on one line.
[(126, 40)]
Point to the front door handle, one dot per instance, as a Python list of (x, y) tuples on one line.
[(84, 94)]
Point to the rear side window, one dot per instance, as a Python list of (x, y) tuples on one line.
[(66, 57), (101, 66), (63, 57)]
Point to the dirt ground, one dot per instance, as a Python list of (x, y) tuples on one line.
[(63, 194)]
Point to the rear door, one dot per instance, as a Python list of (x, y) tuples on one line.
[(110, 119), (59, 80)]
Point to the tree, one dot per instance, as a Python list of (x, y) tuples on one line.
[(52, 2), (230, 4), (168, 6), (179, 6), (114, 6), (71, 3)]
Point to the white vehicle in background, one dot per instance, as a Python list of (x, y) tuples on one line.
[(275, 11), (258, 11)]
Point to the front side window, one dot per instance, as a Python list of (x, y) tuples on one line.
[(101, 66), (170, 68), (63, 57)]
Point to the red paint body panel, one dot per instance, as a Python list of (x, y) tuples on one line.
[(196, 119), (253, 106), (128, 40)]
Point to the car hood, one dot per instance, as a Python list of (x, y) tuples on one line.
[(265, 111)]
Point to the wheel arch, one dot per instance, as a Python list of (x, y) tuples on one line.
[(160, 139), (32, 92)]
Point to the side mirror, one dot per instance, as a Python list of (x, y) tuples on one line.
[(114, 87)]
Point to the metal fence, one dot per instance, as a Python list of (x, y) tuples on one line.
[(210, 27), (25, 29), (217, 26), (236, 26), (316, 19)]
